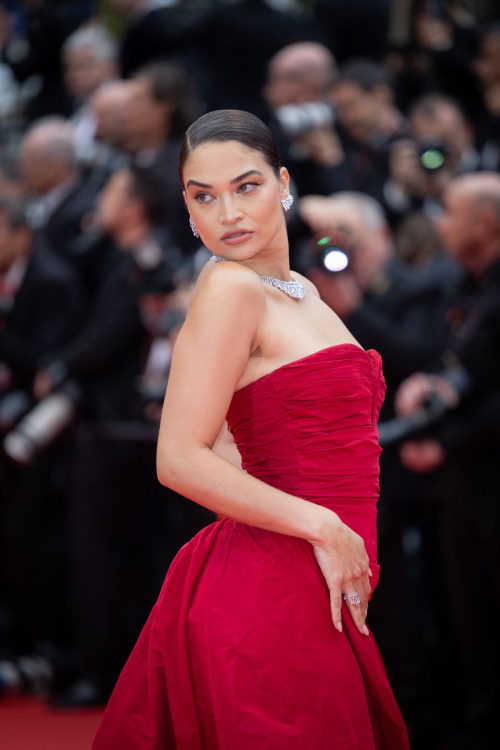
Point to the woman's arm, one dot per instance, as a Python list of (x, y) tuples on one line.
[(221, 331), (210, 355), (225, 447)]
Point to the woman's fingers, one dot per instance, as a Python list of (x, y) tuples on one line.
[(336, 605), (365, 582), (358, 610)]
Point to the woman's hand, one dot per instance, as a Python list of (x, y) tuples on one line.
[(413, 393), (344, 562), (422, 456)]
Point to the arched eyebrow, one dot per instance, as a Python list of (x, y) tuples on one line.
[(232, 182), (246, 174)]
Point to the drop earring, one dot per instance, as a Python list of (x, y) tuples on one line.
[(287, 202), (194, 228)]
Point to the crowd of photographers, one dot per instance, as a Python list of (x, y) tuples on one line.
[(390, 128)]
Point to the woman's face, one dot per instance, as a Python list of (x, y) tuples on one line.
[(234, 198)]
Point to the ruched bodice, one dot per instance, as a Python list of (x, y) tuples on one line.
[(240, 651), (309, 428)]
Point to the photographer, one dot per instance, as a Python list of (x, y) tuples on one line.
[(440, 147), (351, 258), (299, 79), (399, 311), (462, 450), (42, 308), (121, 520), (368, 124)]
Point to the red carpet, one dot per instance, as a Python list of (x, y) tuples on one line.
[(27, 724)]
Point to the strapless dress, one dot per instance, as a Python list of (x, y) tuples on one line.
[(240, 651)]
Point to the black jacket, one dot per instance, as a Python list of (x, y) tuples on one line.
[(45, 30), (472, 340), (153, 36), (402, 317), (47, 312), (108, 355), (67, 221)]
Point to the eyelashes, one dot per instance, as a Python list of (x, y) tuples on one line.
[(246, 184), (203, 197)]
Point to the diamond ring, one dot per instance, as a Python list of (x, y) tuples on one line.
[(353, 598)]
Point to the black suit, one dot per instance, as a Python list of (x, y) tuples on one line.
[(153, 36), (64, 232), (47, 312), (402, 316), (402, 319), (124, 527), (226, 34), (66, 222), (467, 491), (358, 28), (107, 355), (46, 29)]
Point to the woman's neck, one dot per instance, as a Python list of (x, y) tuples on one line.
[(272, 260)]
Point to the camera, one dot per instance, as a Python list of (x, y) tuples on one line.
[(432, 154), (297, 119), (407, 428), (331, 251), (42, 424)]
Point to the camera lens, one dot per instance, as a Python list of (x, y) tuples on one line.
[(333, 250), (335, 259), (432, 154), (432, 159)]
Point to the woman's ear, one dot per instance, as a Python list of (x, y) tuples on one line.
[(284, 183), (185, 197)]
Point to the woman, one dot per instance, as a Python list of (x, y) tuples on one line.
[(252, 643)]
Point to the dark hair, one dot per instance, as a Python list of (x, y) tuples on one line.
[(15, 212), (429, 105), (489, 29), (148, 187), (170, 84), (366, 73), (231, 125)]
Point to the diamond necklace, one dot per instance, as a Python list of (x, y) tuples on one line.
[(292, 288)]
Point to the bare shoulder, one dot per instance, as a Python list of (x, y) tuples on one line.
[(228, 285), (307, 282)]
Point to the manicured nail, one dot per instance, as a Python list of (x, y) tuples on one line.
[(340, 627), (365, 630)]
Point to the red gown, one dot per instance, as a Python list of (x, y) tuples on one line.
[(240, 652)]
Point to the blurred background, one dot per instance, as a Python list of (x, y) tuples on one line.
[(387, 115)]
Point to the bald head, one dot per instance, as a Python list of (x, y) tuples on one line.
[(470, 223), (52, 138), (481, 189), (299, 73), (48, 154)]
